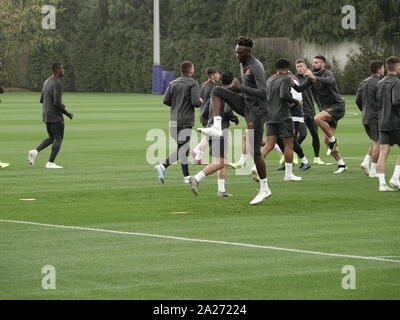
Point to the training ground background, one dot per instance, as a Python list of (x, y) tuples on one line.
[(108, 184)]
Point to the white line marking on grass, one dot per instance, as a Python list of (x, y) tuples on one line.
[(247, 245)]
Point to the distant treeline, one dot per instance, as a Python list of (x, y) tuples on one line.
[(107, 45)]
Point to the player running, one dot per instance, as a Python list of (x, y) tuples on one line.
[(182, 95), (388, 96), (366, 102)]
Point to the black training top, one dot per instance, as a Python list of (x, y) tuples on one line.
[(254, 86), (308, 100), (51, 98), (388, 96), (279, 97), (366, 100)]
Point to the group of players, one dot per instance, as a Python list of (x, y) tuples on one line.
[(282, 103)]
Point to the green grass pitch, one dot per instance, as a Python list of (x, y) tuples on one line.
[(108, 184)]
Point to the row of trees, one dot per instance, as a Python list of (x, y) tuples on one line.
[(106, 45)]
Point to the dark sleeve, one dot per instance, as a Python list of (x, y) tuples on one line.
[(41, 98), (195, 95), (204, 113), (168, 97), (329, 79), (284, 94), (303, 86), (206, 92), (57, 94), (359, 98), (261, 83), (396, 94)]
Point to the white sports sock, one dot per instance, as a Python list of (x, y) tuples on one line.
[(288, 169), (373, 168), (396, 173), (332, 139), (341, 162), (264, 185), (253, 168), (162, 166), (243, 159), (221, 185), (367, 159), (218, 122), (200, 176), (199, 155), (304, 160), (381, 177), (278, 149)]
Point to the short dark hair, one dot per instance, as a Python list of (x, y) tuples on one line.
[(211, 71), (301, 61), (282, 64), (375, 66), (320, 58), (186, 66), (56, 66), (226, 78), (391, 63), (244, 41)]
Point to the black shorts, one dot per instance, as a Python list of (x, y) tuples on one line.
[(181, 134), (284, 129), (336, 112), (372, 131), (390, 137)]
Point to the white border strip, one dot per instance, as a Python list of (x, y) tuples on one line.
[(202, 241)]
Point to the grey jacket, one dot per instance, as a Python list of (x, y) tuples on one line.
[(388, 94), (182, 95)]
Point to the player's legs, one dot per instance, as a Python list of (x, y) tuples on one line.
[(322, 119), (313, 128), (219, 97), (288, 142), (245, 152), (58, 133), (383, 155), (48, 141), (395, 180)]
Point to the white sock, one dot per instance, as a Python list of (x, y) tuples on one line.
[(341, 162), (396, 173), (381, 177), (264, 185), (367, 159), (288, 169), (200, 176), (253, 168), (332, 139), (217, 122), (162, 166), (373, 168), (304, 160), (243, 159), (221, 185), (199, 155), (276, 148)]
